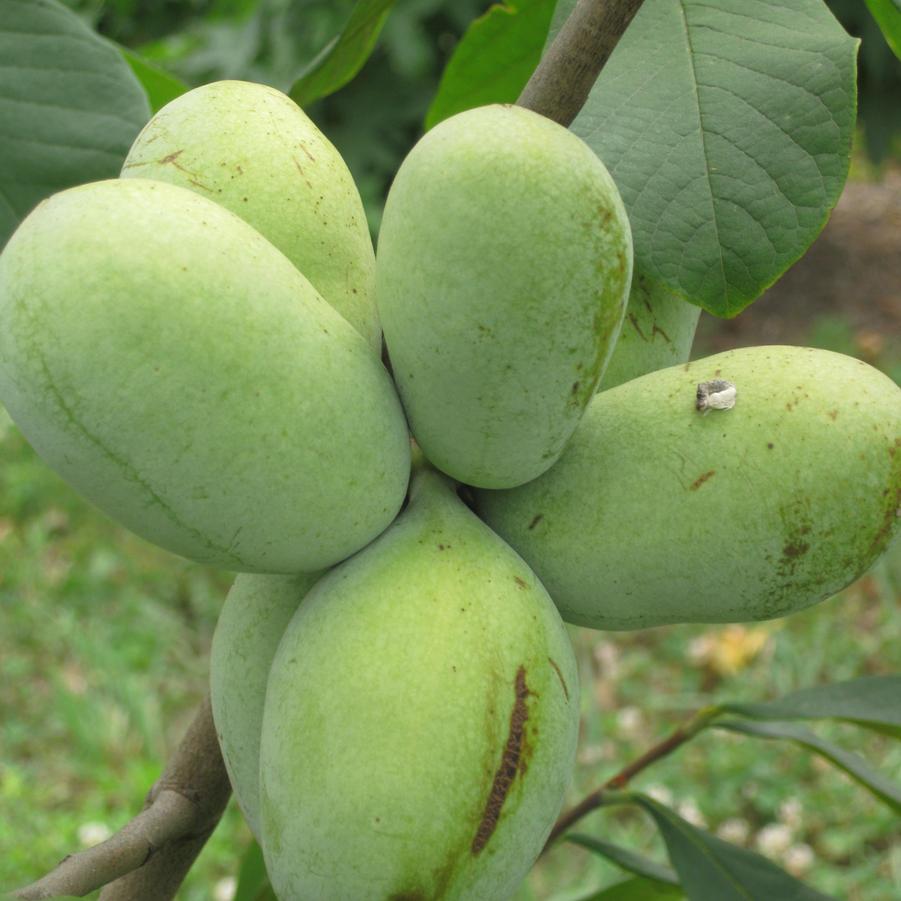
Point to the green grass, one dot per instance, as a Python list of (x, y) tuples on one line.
[(104, 645)]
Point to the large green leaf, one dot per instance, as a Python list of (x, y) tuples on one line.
[(727, 127), (853, 764), (710, 869), (494, 59), (69, 106), (159, 85), (887, 14), (625, 858), (344, 55), (870, 701)]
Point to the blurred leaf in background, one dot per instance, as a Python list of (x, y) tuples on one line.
[(373, 121), (879, 80), (495, 59)]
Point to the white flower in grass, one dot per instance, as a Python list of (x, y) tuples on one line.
[(629, 721), (660, 793), (690, 811), (774, 839), (591, 754), (734, 830), (798, 859), (607, 656), (90, 834), (790, 812), (224, 889), (700, 648)]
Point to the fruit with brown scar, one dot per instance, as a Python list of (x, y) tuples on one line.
[(421, 717), (658, 513)]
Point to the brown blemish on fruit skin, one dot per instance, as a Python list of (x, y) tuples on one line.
[(553, 663), (656, 330), (535, 520), (794, 549), (833, 415), (892, 508), (512, 763), (696, 484), (520, 582), (637, 327)]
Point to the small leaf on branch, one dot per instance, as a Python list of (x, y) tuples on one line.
[(69, 104), (853, 764), (873, 702), (727, 127), (253, 881), (625, 858), (887, 14), (344, 56), (636, 890), (159, 85), (710, 869), (494, 59)]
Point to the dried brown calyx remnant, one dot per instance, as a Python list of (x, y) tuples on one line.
[(717, 394), (511, 764)]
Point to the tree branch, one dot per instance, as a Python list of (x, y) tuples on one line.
[(560, 84), (150, 855), (664, 748)]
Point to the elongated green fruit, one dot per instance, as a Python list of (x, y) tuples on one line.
[(657, 332), (421, 718), (250, 626), (175, 368), (658, 513), (251, 149), (504, 263)]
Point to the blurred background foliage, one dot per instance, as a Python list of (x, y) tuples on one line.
[(104, 640), (376, 119), (373, 121)]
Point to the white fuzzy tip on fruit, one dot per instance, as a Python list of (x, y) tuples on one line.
[(717, 394)]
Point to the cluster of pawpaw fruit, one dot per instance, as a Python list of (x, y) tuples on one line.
[(196, 347)]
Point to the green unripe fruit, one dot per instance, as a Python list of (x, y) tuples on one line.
[(421, 718), (658, 513), (657, 332), (250, 626), (503, 269), (251, 149), (176, 369)]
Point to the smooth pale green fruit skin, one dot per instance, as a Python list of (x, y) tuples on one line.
[(657, 332), (657, 513), (251, 149), (396, 693), (255, 614), (175, 368), (503, 269)]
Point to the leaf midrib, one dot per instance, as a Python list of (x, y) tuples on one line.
[(697, 96)]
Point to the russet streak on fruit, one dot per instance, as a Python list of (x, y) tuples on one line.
[(657, 332), (510, 765)]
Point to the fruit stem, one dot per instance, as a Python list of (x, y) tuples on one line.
[(560, 84), (601, 796)]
